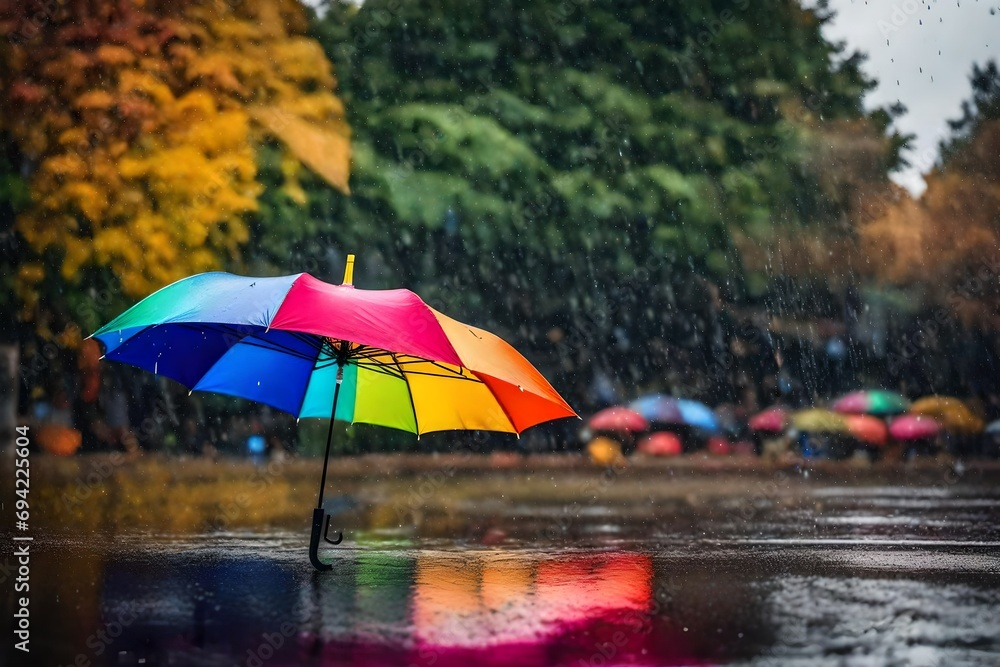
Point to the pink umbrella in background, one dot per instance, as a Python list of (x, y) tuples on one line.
[(772, 420), (618, 419), (914, 427)]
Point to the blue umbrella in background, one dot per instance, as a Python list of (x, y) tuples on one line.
[(663, 409), (658, 409), (698, 415)]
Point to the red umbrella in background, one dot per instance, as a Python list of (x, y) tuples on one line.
[(914, 427), (661, 444), (870, 430), (618, 419), (718, 446), (772, 420)]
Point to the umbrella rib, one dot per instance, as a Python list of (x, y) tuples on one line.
[(302, 403), (375, 368), (250, 338), (277, 348), (409, 394), (503, 408)]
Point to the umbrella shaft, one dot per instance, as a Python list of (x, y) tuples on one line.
[(329, 440)]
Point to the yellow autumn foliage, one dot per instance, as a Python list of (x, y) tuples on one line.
[(143, 119)]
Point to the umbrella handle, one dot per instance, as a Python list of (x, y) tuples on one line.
[(326, 533), (317, 530)]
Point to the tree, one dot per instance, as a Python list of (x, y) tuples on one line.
[(140, 123), (583, 176), (955, 225)]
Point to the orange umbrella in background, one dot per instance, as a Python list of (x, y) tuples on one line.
[(867, 429), (951, 413), (59, 440)]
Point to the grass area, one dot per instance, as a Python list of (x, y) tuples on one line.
[(184, 495)]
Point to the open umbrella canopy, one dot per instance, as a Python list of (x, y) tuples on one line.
[(772, 420), (617, 419), (605, 451), (817, 420), (314, 349), (914, 427), (698, 415), (281, 341), (658, 408), (872, 402), (867, 429), (951, 413), (661, 444), (662, 409)]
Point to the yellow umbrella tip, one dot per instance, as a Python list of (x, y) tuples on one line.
[(349, 271)]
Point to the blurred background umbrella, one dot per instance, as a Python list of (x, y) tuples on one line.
[(618, 419), (867, 429), (59, 440), (951, 413), (661, 444), (772, 420), (872, 402), (993, 428), (914, 427), (662, 409), (698, 415), (605, 451), (818, 420), (658, 409)]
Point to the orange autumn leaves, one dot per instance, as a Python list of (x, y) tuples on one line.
[(141, 121), (948, 241)]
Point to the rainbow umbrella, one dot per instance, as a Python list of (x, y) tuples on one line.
[(314, 349), (872, 402)]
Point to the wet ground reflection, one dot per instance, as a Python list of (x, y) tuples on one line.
[(851, 576)]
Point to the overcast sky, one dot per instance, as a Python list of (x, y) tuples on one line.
[(921, 53)]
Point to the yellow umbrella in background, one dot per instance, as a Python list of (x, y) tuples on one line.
[(818, 420), (951, 413), (605, 452)]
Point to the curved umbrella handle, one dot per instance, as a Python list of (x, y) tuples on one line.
[(326, 533), (317, 530)]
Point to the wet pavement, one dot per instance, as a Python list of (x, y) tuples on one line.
[(834, 574)]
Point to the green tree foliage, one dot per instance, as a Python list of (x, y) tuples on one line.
[(585, 177)]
